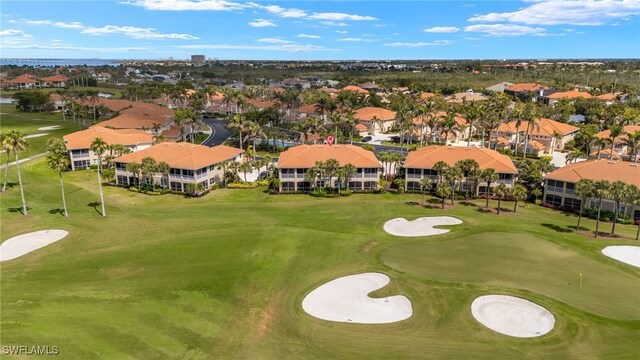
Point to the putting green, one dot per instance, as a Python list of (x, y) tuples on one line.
[(523, 261)]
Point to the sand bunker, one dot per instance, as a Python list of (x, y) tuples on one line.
[(423, 226), (345, 300), (45, 128), (35, 135), (627, 254), (24, 244), (512, 316)]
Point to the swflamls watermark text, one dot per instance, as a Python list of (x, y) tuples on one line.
[(30, 350)]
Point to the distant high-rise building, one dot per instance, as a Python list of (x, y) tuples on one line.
[(198, 59)]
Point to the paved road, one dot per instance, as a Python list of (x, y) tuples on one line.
[(219, 134), (24, 160)]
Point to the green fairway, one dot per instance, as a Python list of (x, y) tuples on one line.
[(223, 276), (28, 123)]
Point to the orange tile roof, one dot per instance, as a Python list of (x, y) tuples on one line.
[(328, 90), (183, 155), (261, 104), (604, 134), (605, 153), (82, 139), (55, 78), (524, 87), (503, 140), (599, 169), (23, 79), (426, 157), (361, 127), (573, 94), (305, 156), (459, 97), (546, 127), (609, 96), (355, 88), (368, 113), (308, 109), (418, 121), (427, 95), (535, 144)]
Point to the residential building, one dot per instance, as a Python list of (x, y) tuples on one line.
[(546, 137), (356, 89), (467, 96), (136, 115), (560, 185), (189, 164), (295, 83), (294, 163), (79, 143), (198, 59), (571, 95), (459, 132), (499, 87), (28, 81), (55, 81), (527, 91), (620, 148), (376, 119), (420, 164), (370, 86)]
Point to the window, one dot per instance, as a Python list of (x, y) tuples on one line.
[(570, 188), (413, 185), (572, 203), (82, 164), (121, 166), (288, 173), (288, 186), (555, 186), (176, 186), (355, 185), (173, 171), (304, 186), (122, 180), (553, 200), (370, 185), (414, 173)]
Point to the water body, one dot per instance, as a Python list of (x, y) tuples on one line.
[(59, 62)]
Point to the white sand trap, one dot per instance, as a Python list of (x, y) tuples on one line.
[(512, 316), (627, 254), (345, 300), (35, 135), (45, 128), (24, 244), (423, 226)]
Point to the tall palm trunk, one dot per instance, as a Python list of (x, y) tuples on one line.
[(615, 218), (64, 201), (526, 144), (482, 140), (598, 217), (24, 202), (6, 172), (499, 202), (104, 212), (580, 214), (517, 141)]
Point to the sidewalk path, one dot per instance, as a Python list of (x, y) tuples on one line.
[(24, 160)]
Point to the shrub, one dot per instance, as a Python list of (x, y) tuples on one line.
[(263, 182), (93, 167), (346, 192), (318, 192), (242, 185)]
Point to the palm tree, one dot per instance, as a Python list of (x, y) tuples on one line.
[(16, 141), (573, 155), (425, 183), (134, 168), (489, 176), (223, 166), (348, 171), (453, 174), (448, 124), (469, 167), (501, 190), (519, 193), (311, 175), (443, 190), (584, 189), (617, 192), (239, 123), (633, 197), (330, 168), (59, 161), (6, 147), (148, 169), (98, 146), (440, 167), (472, 116), (246, 167), (163, 168), (633, 144), (255, 133), (600, 191), (157, 139), (615, 131)]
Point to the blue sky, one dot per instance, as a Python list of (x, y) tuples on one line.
[(317, 30)]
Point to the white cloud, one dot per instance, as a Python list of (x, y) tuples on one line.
[(442, 29), (76, 48), (186, 5), (333, 23), (275, 41), (286, 13), (262, 23), (285, 47), (420, 44), (351, 39), (135, 33), (341, 31), (571, 12), (307, 36), (15, 34), (332, 16), (58, 24), (504, 30)]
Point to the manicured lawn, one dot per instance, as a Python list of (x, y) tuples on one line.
[(28, 123), (115, 92), (223, 276)]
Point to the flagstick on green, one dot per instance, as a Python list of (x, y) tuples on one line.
[(580, 280)]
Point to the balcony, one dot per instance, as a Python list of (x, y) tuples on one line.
[(180, 177)]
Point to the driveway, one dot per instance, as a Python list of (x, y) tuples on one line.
[(219, 132)]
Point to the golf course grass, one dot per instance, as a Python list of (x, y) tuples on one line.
[(224, 276)]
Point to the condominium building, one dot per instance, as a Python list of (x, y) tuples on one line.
[(420, 164), (189, 164), (295, 162)]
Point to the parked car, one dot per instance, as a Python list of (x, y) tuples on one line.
[(395, 138), (366, 139), (263, 175)]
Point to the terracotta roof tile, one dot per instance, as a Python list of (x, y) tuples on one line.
[(546, 127), (426, 157), (573, 94), (355, 88), (183, 155), (305, 156), (604, 134), (368, 113), (524, 87), (82, 139), (599, 169)]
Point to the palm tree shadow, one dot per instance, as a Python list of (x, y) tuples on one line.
[(18, 209), (574, 227), (95, 205), (11, 185), (57, 211), (467, 203), (557, 228)]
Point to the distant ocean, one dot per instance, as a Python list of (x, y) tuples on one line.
[(59, 62)]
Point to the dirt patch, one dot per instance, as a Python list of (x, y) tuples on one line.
[(367, 248), (267, 315)]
